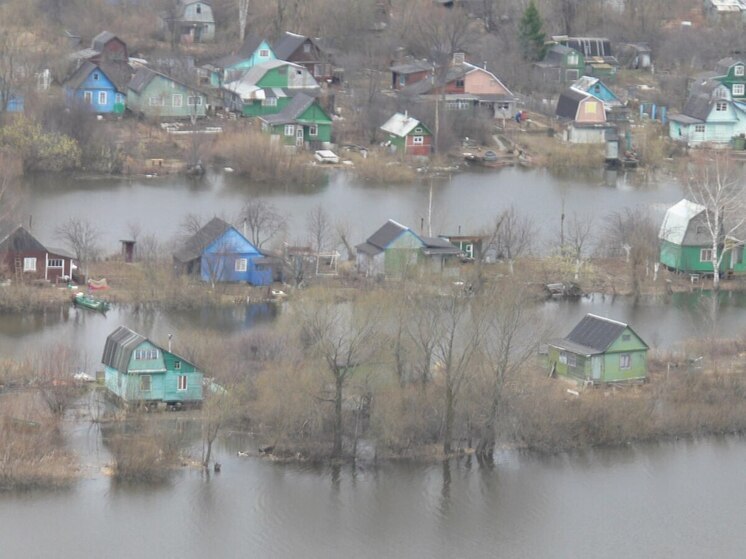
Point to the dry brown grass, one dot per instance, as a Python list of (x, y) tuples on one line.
[(379, 169)]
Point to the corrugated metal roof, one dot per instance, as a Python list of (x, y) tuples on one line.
[(196, 244), (288, 44), (99, 41), (676, 221), (20, 240), (567, 105), (119, 347), (596, 332), (387, 234), (400, 125), (292, 110)]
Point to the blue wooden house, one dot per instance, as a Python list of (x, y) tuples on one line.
[(219, 253), (99, 87), (598, 89), (254, 50), (137, 371)]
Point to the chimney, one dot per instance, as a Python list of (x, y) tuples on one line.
[(406, 113), (169, 342), (458, 58)]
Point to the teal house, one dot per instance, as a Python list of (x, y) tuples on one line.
[(137, 371), (254, 50), (301, 123), (686, 242), (98, 87), (600, 350), (731, 72), (267, 88), (155, 95)]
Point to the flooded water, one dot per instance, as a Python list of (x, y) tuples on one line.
[(679, 499), (469, 201)]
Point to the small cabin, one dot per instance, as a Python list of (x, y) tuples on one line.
[(139, 372), (599, 350)]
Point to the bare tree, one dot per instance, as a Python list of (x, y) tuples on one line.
[(10, 170), (719, 190), (319, 228), (511, 237), (579, 230), (345, 338), (263, 222), (82, 237), (243, 17), (218, 408)]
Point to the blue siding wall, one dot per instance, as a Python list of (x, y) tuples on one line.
[(98, 92), (232, 258), (235, 71)]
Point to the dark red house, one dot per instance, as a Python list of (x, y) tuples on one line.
[(105, 47), (307, 52), (24, 258)]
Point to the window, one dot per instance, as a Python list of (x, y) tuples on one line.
[(241, 264), (181, 382), (705, 255), (721, 106), (102, 98), (318, 70), (418, 140), (177, 100), (418, 130), (199, 9), (626, 337), (503, 106), (264, 53), (269, 102), (402, 80), (119, 99), (572, 60), (95, 76), (146, 354), (307, 47), (289, 130), (177, 365), (145, 383), (29, 264), (194, 100), (155, 101), (572, 360), (460, 82), (738, 89), (55, 263), (624, 361), (313, 130), (88, 97), (738, 70), (563, 357), (699, 128)]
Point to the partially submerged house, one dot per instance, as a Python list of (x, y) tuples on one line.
[(138, 371), (189, 21), (267, 88), (599, 350), (100, 87), (24, 258), (408, 136), (307, 52), (583, 116), (219, 253), (710, 115), (686, 242), (303, 123), (156, 95), (395, 250)]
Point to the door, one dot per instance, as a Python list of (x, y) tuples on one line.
[(299, 136), (596, 364)]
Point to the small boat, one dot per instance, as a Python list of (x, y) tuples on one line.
[(88, 302)]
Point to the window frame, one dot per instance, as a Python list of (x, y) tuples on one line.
[(156, 101), (29, 264), (102, 98), (263, 53), (241, 265), (269, 102), (56, 263), (699, 128), (313, 130), (625, 361), (192, 103), (290, 130), (705, 252), (572, 360), (721, 106), (148, 354), (182, 386), (88, 97), (418, 140), (741, 89), (143, 383), (177, 97), (739, 70)]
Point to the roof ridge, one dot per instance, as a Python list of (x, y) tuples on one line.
[(607, 319)]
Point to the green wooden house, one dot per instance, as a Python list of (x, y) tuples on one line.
[(600, 350), (255, 50), (155, 95), (731, 72), (268, 88), (137, 371), (686, 242), (302, 122), (561, 65), (407, 135)]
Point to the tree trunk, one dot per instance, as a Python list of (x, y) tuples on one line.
[(450, 413), (338, 392)]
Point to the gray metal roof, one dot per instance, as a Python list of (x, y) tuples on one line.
[(288, 44), (400, 125), (724, 64), (292, 110), (194, 245), (699, 103), (439, 245), (596, 332), (119, 347), (99, 41), (20, 240), (387, 234), (250, 43), (145, 75), (567, 105), (369, 249), (412, 67)]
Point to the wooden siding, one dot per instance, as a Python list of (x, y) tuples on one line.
[(480, 82), (590, 111), (165, 90)]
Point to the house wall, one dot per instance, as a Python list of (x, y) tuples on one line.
[(42, 271), (219, 260), (400, 81), (257, 108), (370, 265), (730, 79), (612, 371), (96, 85), (481, 82), (582, 135), (402, 254), (600, 91), (167, 91), (114, 49), (425, 148), (590, 111)]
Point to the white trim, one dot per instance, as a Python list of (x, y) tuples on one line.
[(178, 383), (102, 95), (29, 264)]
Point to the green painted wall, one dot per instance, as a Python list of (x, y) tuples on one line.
[(167, 91), (730, 79), (276, 77), (401, 255), (687, 259), (255, 108)]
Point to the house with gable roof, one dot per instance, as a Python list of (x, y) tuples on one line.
[(394, 250), (24, 258), (101, 87), (156, 95), (731, 72), (599, 350), (561, 64), (267, 88), (137, 371), (303, 122), (105, 47), (407, 135), (583, 116), (219, 253), (307, 52), (254, 50), (190, 21)]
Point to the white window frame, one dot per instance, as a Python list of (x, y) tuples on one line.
[(721, 106), (102, 98), (177, 100), (705, 255), (313, 130), (572, 360), (738, 70), (290, 130), (181, 383), (241, 265), (264, 53), (699, 128), (194, 100), (143, 383), (155, 101), (563, 357), (149, 354), (88, 97), (269, 102), (739, 89), (573, 59), (55, 263), (29, 264), (306, 47), (418, 140), (625, 361)]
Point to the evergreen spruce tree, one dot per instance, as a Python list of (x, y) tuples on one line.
[(530, 34)]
